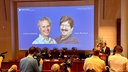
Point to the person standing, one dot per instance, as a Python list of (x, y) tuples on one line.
[(13, 68), (117, 62), (44, 25), (105, 49), (94, 63), (29, 64)]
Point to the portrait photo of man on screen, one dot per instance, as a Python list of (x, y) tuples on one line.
[(44, 25), (66, 28)]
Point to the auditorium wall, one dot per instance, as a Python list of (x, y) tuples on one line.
[(105, 17)]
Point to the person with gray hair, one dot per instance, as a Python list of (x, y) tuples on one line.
[(44, 25)]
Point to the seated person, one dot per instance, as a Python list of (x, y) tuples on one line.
[(48, 55), (1, 59), (55, 53), (55, 68), (74, 52), (13, 68), (61, 54)]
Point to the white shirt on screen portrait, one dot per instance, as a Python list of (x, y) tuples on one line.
[(42, 40)]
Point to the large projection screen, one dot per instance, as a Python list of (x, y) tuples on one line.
[(82, 13)]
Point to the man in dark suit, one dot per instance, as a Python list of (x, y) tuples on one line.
[(105, 51)]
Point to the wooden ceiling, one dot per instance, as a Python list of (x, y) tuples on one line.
[(112, 9)]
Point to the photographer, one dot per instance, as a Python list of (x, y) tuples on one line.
[(29, 64), (67, 64), (38, 55)]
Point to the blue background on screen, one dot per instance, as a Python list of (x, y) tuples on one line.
[(83, 17)]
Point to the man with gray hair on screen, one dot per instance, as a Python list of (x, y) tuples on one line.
[(44, 25)]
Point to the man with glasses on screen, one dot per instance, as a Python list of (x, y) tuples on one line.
[(44, 25), (66, 28)]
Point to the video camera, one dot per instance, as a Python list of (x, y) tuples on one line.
[(38, 55), (3, 54), (67, 63)]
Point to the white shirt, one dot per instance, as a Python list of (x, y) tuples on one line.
[(41, 40), (117, 63), (104, 48)]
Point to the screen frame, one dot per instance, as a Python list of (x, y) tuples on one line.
[(56, 3)]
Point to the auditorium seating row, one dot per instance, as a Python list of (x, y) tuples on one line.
[(77, 65)]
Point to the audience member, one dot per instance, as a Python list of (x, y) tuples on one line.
[(68, 63), (94, 62), (61, 54), (66, 28), (117, 62), (44, 25), (55, 53), (127, 67), (74, 53), (55, 68), (114, 50), (48, 55), (13, 68), (1, 59), (29, 64), (44, 50)]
